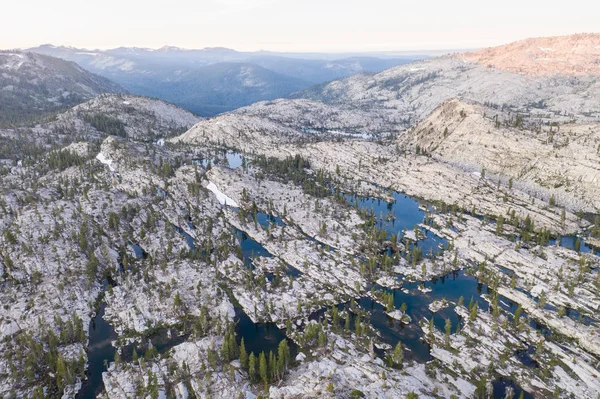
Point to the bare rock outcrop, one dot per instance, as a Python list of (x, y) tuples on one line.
[(567, 55), (547, 160)]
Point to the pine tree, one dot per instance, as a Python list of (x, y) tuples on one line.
[(357, 326), (398, 355), (61, 373), (252, 367), (335, 319), (448, 328), (542, 300), (390, 302), (225, 353), (150, 352), (263, 368), (517, 316), (233, 347), (431, 328), (473, 311), (500, 225), (272, 366), (38, 393), (243, 355), (284, 354)]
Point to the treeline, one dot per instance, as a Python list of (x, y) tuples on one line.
[(24, 110), (61, 160), (106, 124), (296, 170), (19, 147)]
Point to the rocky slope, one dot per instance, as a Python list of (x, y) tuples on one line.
[(555, 161), (409, 93), (238, 131), (565, 55), (128, 116), (140, 117), (322, 119), (34, 84)]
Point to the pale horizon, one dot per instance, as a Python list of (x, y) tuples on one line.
[(287, 26)]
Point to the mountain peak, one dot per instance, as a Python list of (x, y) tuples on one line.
[(168, 48), (577, 54)]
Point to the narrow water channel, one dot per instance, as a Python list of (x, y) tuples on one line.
[(100, 353)]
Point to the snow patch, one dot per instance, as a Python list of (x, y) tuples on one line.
[(222, 198), (537, 290), (103, 159)]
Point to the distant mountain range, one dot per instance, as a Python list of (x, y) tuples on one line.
[(32, 85), (214, 80)]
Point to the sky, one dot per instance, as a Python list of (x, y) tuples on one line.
[(291, 25)]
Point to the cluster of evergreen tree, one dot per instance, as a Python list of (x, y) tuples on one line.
[(596, 228), (263, 368), (106, 124), (61, 160), (296, 170), (38, 360)]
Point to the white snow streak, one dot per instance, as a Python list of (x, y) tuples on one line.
[(222, 198), (108, 162)]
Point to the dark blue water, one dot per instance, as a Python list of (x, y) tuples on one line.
[(450, 287), (250, 248), (404, 213), (139, 251), (569, 242), (260, 337), (230, 159), (188, 238), (266, 220), (391, 331), (100, 350), (500, 384), (161, 193), (431, 244), (525, 357), (162, 340), (401, 214)]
